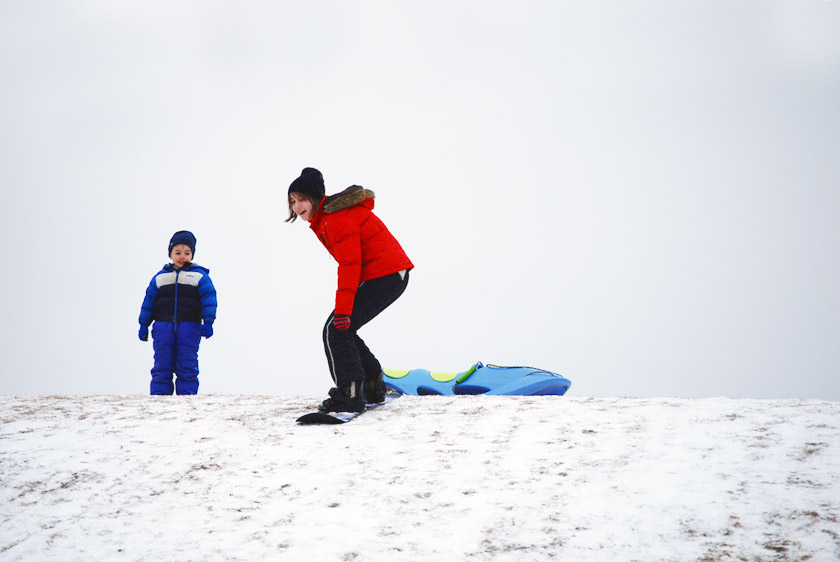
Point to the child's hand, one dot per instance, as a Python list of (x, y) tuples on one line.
[(207, 330), (341, 322), (143, 334)]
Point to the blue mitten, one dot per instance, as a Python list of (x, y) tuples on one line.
[(143, 334), (207, 330)]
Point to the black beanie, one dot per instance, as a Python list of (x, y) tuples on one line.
[(310, 183), (183, 237)]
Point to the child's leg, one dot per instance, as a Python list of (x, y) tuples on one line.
[(188, 337), (348, 357), (163, 338)]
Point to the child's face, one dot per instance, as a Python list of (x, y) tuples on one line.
[(180, 255), (302, 206)]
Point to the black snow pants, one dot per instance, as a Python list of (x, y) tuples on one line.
[(348, 357)]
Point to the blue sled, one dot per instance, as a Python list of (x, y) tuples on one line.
[(478, 379)]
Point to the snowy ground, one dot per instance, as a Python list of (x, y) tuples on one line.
[(424, 479)]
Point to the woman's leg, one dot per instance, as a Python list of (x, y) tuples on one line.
[(348, 357)]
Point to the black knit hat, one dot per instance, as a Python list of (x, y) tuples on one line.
[(310, 183), (183, 237)]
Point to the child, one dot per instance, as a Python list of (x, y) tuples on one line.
[(372, 274), (177, 300)]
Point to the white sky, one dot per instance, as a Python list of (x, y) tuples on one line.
[(641, 196)]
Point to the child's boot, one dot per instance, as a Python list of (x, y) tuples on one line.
[(346, 398), (375, 389)]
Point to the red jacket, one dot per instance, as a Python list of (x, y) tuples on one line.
[(359, 242)]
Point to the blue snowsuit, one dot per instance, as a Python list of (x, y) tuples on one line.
[(177, 300)]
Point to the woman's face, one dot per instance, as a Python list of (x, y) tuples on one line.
[(301, 206)]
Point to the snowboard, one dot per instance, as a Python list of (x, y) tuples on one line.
[(334, 418)]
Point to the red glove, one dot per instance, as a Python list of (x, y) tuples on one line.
[(341, 322)]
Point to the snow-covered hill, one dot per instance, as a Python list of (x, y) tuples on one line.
[(231, 478)]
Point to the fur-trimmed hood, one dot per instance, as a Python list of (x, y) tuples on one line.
[(353, 195)]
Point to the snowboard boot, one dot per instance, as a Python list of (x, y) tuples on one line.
[(347, 398), (375, 389)]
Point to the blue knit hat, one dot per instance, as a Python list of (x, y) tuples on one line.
[(182, 237)]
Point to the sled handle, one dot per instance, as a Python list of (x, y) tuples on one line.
[(466, 375)]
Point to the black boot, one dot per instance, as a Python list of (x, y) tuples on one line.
[(347, 398), (375, 389)]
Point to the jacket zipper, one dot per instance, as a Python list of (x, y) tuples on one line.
[(175, 314)]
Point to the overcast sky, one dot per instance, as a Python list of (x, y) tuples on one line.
[(640, 195)]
